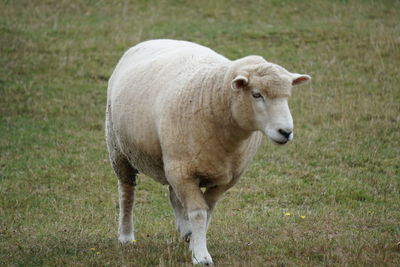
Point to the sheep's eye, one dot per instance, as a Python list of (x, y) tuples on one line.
[(257, 95)]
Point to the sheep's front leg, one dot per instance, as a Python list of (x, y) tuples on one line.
[(212, 195), (182, 220), (192, 199), (198, 242)]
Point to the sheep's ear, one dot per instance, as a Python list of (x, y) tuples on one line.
[(300, 78), (239, 82)]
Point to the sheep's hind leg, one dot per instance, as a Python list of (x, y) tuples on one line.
[(182, 220), (126, 187), (126, 197)]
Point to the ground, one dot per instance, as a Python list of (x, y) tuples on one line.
[(331, 197)]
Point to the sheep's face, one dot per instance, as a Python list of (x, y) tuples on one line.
[(261, 101)]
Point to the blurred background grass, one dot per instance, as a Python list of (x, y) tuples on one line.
[(58, 195)]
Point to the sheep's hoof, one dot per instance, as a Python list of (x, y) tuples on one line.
[(187, 237), (126, 238), (207, 261), (201, 257)]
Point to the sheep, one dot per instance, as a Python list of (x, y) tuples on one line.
[(190, 118)]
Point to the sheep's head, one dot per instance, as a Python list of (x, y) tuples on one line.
[(260, 101)]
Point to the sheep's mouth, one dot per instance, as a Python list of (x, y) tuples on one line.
[(280, 142), (276, 138)]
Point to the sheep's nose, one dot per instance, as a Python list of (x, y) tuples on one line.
[(286, 133)]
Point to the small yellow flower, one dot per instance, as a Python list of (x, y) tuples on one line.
[(302, 216), (92, 249), (287, 214), (370, 212), (98, 253), (134, 241)]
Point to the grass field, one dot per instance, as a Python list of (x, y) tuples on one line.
[(58, 193)]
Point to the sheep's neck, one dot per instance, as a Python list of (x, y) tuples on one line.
[(215, 108)]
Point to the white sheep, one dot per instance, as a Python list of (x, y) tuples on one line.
[(190, 118)]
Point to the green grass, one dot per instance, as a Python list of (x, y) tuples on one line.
[(58, 194)]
